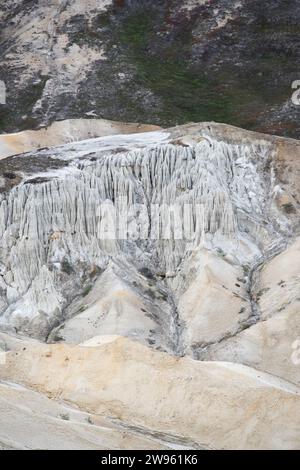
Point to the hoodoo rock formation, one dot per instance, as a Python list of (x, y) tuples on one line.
[(157, 254)]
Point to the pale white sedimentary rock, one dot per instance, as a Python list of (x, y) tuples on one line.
[(63, 132), (30, 420), (205, 195), (213, 404), (114, 306), (273, 344), (227, 290), (215, 303)]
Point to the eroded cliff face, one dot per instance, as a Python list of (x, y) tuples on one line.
[(159, 236), (185, 240), (135, 260)]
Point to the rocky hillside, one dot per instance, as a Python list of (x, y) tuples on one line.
[(162, 62), (205, 270), (149, 273)]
